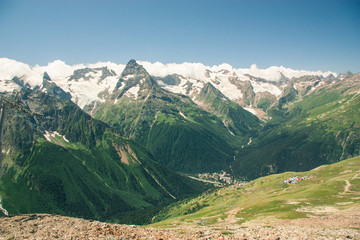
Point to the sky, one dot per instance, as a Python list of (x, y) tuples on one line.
[(299, 34)]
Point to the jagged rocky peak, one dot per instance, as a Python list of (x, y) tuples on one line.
[(132, 67), (283, 78), (81, 73), (86, 74), (46, 77), (52, 89), (18, 81), (106, 72), (207, 73), (135, 74)]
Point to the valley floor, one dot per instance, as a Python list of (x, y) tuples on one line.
[(335, 225)]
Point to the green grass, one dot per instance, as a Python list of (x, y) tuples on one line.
[(270, 197)]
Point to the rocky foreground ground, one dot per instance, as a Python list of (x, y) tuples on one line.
[(340, 225)]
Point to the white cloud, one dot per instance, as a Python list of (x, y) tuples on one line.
[(273, 73), (58, 69), (190, 70), (118, 68), (10, 68), (197, 70)]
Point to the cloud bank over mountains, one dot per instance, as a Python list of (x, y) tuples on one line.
[(197, 70), (58, 69)]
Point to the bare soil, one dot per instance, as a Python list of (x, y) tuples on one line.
[(335, 225)]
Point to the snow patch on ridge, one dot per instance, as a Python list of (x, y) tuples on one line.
[(223, 121), (48, 135), (128, 76), (182, 114), (252, 110), (133, 92), (65, 139), (51, 135), (221, 81), (266, 87)]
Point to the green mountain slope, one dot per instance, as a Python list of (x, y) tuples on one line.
[(268, 199), (60, 160), (174, 129), (322, 127), (235, 118)]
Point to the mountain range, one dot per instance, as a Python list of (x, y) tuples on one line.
[(92, 83), (104, 134)]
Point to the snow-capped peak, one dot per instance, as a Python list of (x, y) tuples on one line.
[(88, 83)]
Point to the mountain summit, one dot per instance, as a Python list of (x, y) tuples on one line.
[(179, 133), (52, 89), (133, 79), (132, 67)]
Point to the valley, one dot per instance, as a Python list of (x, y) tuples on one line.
[(142, 144), (324, 205)]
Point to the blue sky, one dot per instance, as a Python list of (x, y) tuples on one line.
[(310, 35)]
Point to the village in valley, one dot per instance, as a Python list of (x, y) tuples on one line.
[(223, 179), (219, 179)]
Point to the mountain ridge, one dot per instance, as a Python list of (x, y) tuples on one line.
[(144, 107), (58, 159), (170, 125), (193, 75)]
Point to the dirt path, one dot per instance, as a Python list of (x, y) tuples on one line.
[(231, 218), (347, 187)]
